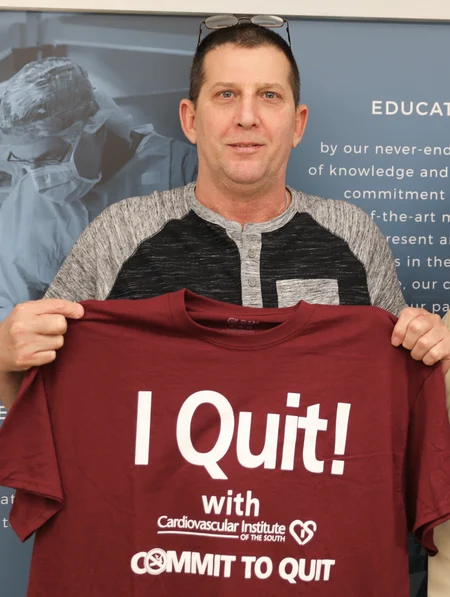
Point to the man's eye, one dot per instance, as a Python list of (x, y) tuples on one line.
[(226, 94), (270, 94)]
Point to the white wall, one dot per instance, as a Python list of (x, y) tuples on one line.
[(374, 9)]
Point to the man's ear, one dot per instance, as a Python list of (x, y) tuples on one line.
[(187, 119), (301, 118)]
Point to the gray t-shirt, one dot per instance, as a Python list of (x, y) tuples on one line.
[(319, 250)]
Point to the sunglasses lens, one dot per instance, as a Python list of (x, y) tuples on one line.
[(267, 21), (221, 21)]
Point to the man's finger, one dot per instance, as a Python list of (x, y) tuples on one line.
[(436, 354), (32, 355), (26, 332), (47, 324), (431, 345), (42, 358), (36, 360), (411, 324), (48, 343), (69, 309)]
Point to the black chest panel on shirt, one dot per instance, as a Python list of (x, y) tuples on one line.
[(304, 250), (188, 253), (195, 254)]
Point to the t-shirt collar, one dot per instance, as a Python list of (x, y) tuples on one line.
[(184, 304), (215, 218)]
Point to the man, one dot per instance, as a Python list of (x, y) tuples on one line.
[(244, 117), (239, 235), (82, 155)]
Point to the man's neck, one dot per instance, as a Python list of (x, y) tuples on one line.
[(243, 204)]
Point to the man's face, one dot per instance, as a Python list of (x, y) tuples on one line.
[(246, 122)]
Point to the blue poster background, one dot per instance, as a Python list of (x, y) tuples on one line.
[(345, 68)]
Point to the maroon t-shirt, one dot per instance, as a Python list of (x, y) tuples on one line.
[(182, 446)]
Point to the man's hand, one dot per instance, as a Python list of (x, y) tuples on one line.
[(425, 335), (33, 332)]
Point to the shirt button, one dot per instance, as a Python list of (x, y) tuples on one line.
[(251, 253), (252, 282)]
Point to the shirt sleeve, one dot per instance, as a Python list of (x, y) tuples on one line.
[(370, 245), (76, 278), (382, 280), (428, 461), (28, 460), (367, 243)]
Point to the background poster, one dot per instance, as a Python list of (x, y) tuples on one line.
[(378, 136)]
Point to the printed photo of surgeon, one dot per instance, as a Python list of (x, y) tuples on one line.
[(10, 173), (9, 176), (70, 152)]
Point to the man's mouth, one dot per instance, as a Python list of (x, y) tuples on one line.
[(245, 149)]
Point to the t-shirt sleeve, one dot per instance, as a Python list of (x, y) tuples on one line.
[(28, 460), (428, 461), (382, 280), (371, 247), (76, 278), (92, 266), (368, 244)]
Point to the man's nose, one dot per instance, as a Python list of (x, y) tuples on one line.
[(247, 112)]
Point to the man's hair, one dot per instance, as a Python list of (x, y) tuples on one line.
[(245, 35)]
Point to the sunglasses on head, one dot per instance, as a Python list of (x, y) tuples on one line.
[(223, 21)]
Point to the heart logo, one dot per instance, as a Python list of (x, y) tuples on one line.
[(306, 530)]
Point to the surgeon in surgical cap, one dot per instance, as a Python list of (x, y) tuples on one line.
[(80, 154), (10, 173)]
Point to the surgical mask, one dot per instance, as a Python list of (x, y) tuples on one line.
[(62, 182), (5, 184), (10, 175)]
